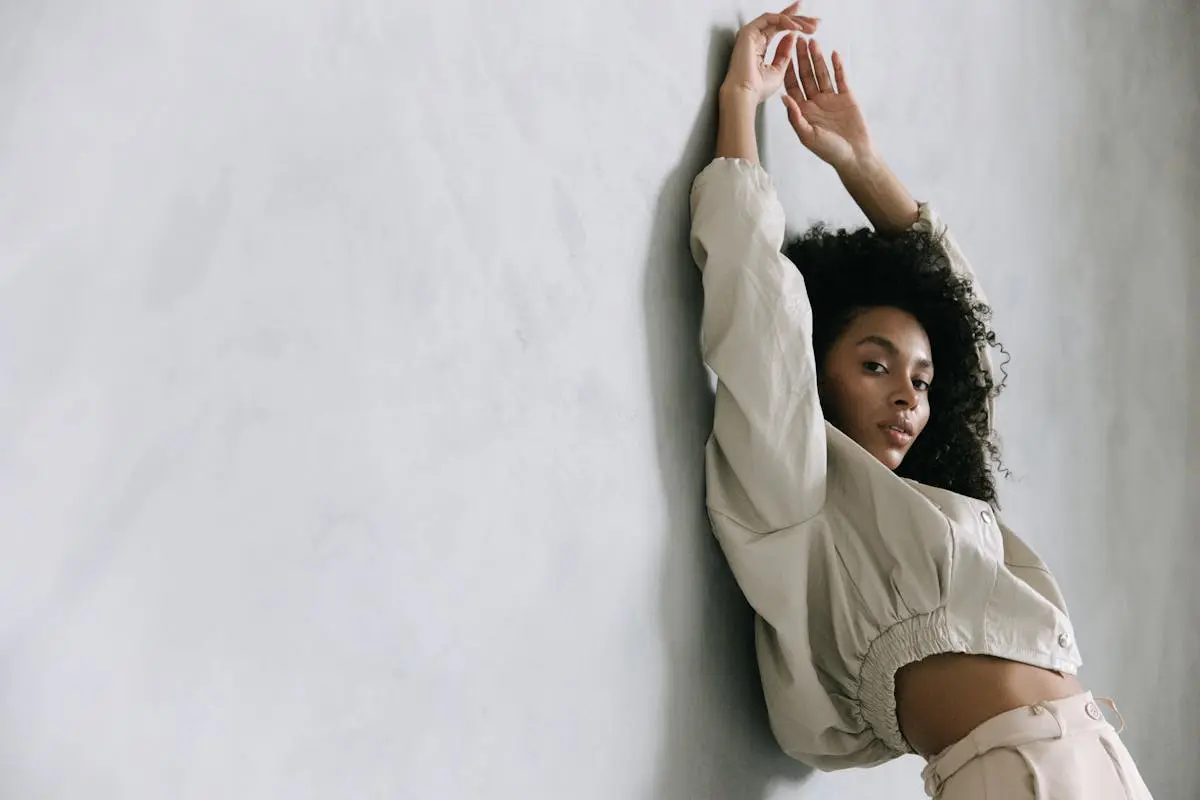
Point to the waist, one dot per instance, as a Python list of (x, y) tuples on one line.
[(942, 698)]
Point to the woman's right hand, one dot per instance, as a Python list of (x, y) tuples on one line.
[(748, 75), (825, 115)]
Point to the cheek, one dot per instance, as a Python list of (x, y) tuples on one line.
[(845, 399)]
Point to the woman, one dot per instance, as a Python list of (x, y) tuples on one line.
[(848, 472)]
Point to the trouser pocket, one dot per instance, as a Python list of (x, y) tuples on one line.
[(1086, 766)]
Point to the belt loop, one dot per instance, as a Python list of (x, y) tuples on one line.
[(1047, 708), (1111, 704), (933, 781)]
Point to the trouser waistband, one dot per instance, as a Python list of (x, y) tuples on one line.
[(1052, 719)]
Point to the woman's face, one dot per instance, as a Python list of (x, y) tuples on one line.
[(875, 382)]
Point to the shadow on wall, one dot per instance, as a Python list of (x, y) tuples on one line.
[(717, 741)]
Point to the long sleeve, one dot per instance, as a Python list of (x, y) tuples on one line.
[(767, 457)]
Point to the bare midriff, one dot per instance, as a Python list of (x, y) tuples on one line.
[(941, 699)]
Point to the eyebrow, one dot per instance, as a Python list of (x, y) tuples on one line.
[(889, 345)]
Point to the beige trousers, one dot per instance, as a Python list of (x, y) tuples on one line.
[(1057, 750)]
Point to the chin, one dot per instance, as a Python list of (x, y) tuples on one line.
[(890, 459)]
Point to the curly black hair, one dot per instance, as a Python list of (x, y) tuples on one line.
[(848, 271)]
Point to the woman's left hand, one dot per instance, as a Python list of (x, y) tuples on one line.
[(749, 75), (825, 115)]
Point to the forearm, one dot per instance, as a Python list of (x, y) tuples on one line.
[(736, 137), (876, 189), (880, 195)]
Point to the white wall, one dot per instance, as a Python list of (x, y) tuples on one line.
[(351, 423)]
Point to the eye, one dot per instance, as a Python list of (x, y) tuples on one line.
[(920, 385), (875, 367)]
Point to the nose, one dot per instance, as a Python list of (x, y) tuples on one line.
[(905, 395)]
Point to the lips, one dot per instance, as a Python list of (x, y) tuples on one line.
[(899, 433)]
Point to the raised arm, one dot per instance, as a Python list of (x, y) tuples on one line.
[(750, 80), (766, 457), (828, 121)]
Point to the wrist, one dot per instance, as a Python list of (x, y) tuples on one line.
[(863, 166), (736, 97)]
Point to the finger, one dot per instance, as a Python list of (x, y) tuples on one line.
[(807, 24), (820, 68), (805, 67), (800, 125), (803, 19), (839, 73), (791, 84), (771, 24), (783, 53)]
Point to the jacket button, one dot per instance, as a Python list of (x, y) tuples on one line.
[(1093, 711), (1064, 640), (987, 517)]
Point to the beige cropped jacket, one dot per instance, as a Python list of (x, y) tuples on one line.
[(853, 571)]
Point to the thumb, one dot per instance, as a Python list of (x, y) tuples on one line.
[(783, 53)]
